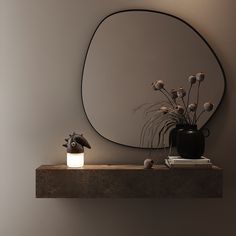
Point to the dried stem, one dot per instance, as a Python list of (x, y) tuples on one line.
[(188, 96), (199, 115), (195, 113), (187, 117), (174, 100), (166, 95), (146, 126), (189, 91)]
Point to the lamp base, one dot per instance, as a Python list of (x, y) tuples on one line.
[(75, 159)]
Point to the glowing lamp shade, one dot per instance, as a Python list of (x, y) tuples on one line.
[(75, 159)]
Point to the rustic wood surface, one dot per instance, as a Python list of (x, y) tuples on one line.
[(127, 181)]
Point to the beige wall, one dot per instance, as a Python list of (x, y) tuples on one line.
[(43, 45)]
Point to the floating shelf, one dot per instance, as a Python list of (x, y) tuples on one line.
[(127, 181)]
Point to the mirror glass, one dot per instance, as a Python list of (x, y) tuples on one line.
[(128, 51)]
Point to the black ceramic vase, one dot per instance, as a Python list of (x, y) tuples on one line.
[(173, 139), (190, 142), (173, 134)]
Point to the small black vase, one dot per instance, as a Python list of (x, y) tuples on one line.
[(173, 139), (173, 134), (190, 142)]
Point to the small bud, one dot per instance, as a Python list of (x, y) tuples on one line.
[(158, 85), (192, 79), (208, 106), (192, 107), (200, 77), (181, 93)]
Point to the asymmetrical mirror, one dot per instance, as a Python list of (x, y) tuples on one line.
[(128, 51)]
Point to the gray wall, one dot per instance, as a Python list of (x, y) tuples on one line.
[(43, 45)]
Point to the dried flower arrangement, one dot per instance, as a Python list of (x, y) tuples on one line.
[(177, 109)]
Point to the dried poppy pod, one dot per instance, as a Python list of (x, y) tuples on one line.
[(173, 93), (181, 93), (158, 85), (208, 106), (200, 76), (180, 109), (192, 79), (192, 107)]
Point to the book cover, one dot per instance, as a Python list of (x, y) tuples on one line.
[(178, 159), (189, 165)]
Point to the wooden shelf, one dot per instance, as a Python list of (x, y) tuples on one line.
[(127, 181)]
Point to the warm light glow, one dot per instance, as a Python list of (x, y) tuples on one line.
[(75, 159)]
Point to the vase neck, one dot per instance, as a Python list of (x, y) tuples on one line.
[(186, 126)]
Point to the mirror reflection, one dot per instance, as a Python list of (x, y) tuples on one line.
[(131, 49)]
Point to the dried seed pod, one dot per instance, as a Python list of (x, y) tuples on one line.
[(173, 93), (200, 76), (158, 85), (192, 107), (208, 106), (180, 109), (192, 79), (181, 93)]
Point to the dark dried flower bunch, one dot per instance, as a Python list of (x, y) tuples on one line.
[(185, 109), (177, 109)]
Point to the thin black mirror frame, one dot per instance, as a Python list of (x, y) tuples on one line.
[(167, 14)]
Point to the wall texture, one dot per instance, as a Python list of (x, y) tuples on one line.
[(43, 45)]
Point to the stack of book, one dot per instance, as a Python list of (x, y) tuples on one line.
[(179, 162)]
